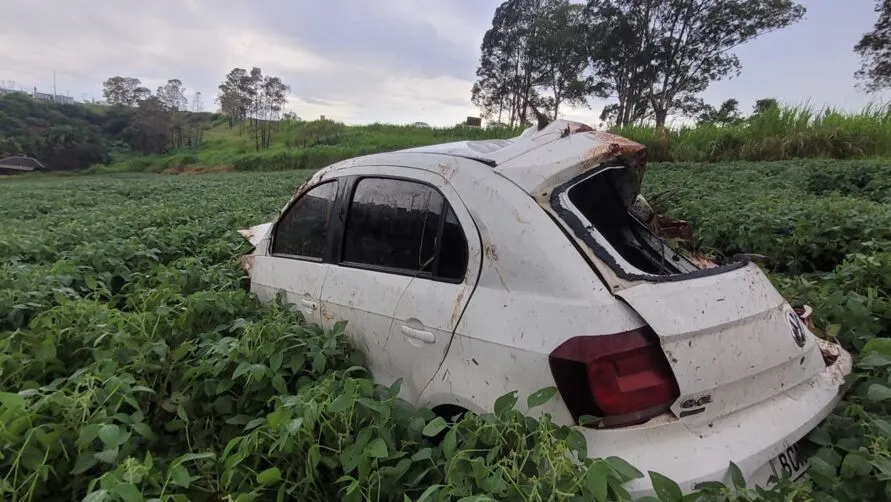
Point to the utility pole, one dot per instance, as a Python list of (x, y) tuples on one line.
[(54, 86)]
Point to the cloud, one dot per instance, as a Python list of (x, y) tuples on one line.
[(360, 60)]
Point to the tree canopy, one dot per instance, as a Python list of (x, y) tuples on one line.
[(654, 57), (875, 51)]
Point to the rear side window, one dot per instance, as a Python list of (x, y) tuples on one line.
[(404, 226), (303, 230)]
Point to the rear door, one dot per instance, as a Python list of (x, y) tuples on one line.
[(392, 223), (294, 264), (431, 307)]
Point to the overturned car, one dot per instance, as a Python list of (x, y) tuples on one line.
[(473, 269)]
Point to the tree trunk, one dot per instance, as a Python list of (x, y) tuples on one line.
[(661, 132)]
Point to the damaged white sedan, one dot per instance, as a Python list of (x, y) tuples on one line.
[(474, 269)]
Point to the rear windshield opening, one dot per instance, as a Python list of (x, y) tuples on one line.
[(604, 200)]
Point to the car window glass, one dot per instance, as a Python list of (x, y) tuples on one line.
[(453, 252), (394, 224), (303, 230)]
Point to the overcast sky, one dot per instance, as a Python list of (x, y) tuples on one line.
[(362, 61)]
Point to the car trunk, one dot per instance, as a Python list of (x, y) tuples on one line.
[(729, 336)]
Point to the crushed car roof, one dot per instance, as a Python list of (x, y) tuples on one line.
[(537, 160)]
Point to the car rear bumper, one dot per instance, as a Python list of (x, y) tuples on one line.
[(750, 438)]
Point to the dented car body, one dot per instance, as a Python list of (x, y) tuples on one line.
[(474, 269)]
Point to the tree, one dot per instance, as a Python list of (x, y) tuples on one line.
[(726, 115), (150, 127), (762, 105), (875, 51), (562, 59), (253, 97), (173, 95), (235, 95), (621, 58), (508, 71), (197, 103), (125, 91), (671, 50)]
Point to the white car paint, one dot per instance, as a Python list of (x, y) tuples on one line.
[(530, 285)]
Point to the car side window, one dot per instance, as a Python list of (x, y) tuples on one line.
[(452, 260), (303, 230), (397, 224)]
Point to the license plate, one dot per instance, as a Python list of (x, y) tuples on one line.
[(790, 463)]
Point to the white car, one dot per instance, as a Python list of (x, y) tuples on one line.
[(474, 269)]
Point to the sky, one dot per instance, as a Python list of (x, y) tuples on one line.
[(361, 61)]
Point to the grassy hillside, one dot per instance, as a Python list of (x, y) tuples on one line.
[(779, 133), (296, 145), (74, 137)]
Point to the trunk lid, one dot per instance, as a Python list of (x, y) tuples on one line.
[(731, 339)]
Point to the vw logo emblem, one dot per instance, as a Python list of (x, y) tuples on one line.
[(797, 329)]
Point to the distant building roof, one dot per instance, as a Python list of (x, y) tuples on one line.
[(21, 163)]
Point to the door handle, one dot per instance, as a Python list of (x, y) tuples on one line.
[(308, 304), (417, 334)]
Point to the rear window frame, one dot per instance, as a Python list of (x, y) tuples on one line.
[(344, 202), (580, 231)]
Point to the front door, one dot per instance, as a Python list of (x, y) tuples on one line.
[(293, 266)]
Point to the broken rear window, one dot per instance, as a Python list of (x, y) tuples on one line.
[(600, 205)]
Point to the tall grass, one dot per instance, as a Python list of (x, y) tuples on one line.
[(780, 133)]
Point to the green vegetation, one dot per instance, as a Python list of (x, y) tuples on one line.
[(298, 145), (73, 137), (775, 133), (134, 366)]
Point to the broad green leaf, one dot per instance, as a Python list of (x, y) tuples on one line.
[(820, 437), (270, 476), (377, 448), (241, 370), (736, 476), (596, 481), (110, 435), (623, 468), (505, 403), (84, 462), (855, 464), (429, 492), (108, 456), (422, 454), (97, 496), (576, 441), (179, 476), (275, 361), (540, 397), (666, 489), (341, 403), (883, 426), (435, 426), (877, 346), (11, 401), (878, 393), (128, 492), (349, 457), (874, 360), (450, 443)]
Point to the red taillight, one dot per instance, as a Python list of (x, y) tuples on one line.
[(623, 378)]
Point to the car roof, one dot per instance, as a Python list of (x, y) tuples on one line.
[(536, 160)]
